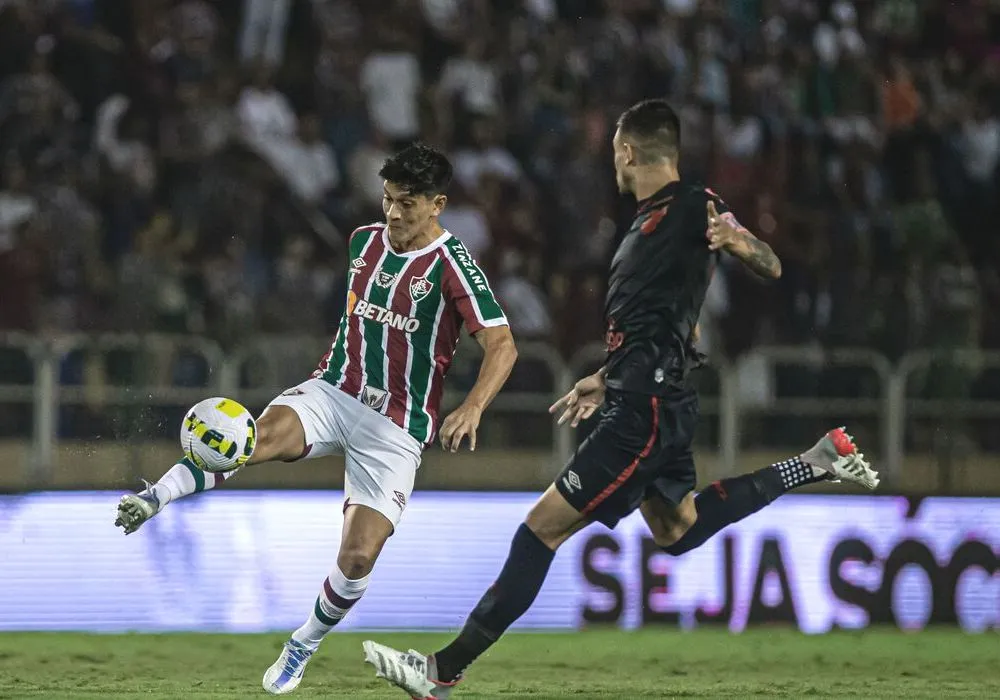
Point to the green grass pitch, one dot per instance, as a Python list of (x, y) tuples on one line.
[(593, 664)]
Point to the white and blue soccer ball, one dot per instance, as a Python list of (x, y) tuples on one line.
[(218, 435)]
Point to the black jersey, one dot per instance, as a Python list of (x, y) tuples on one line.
[(658, 280)]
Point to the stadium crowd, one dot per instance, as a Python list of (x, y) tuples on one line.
[(194, 165)]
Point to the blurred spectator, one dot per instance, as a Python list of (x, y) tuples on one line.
[(980, 145), (365, 163), (17, 205), (156, 291), (36, 110), (234, 284), (341, 105), (585, 231), (714, 309), (80, 274), (189, 54), (302, 286), (485, 155), (262, 36), (266, 116), (23, 255), (467, 222), (469, 83), (122, 141), (711, 80), (522, 297), (311, 166), (123, 146), (391, 81)]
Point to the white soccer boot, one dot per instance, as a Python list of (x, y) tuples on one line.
[(409, 671), (136, 508), (836, 454), (285, 674)]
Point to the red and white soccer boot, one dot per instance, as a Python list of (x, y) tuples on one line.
[(836, 454), (409, 671)]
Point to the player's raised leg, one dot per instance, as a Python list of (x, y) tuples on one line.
[(550, 523), (695, 519), (280, 436), (365, 533)]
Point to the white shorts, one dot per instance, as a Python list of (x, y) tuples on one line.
[(381, 458)]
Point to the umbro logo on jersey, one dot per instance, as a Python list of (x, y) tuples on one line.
[(419, 288), (384, 279), (379, 314), (374, 398), (356, 266)]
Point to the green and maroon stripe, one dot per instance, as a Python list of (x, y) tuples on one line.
[(401, 347), (373, 369), (445, 343), (427, 308), (354, 340), (331, 367)]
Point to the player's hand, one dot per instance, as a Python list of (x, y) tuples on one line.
[(723, 231), (461, 423), (584, 398)]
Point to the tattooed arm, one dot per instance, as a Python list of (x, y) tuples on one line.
[(725, 233), (756, 255)]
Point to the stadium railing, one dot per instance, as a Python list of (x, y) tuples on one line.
[(33, 372)]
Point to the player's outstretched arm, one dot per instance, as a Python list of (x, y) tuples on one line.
[(726, 233), (499, 355)]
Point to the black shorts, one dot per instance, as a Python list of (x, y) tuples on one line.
[(641, 447)]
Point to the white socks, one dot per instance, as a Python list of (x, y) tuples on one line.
[(339, 594), (183, 479)]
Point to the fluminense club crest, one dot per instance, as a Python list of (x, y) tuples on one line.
[(419, 288)]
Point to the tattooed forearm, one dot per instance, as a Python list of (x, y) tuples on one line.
[(758, 257)]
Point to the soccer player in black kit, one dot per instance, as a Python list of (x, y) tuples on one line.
[(639, 453)]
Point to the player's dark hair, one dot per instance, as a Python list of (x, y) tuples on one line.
[(418, 169), (654, 130)]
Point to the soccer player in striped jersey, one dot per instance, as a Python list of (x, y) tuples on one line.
[(376, 395)]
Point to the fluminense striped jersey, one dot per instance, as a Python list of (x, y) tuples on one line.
[(401, 325)]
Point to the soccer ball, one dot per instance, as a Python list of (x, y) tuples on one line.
[(218, 435)]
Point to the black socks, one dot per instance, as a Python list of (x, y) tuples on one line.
[(730, 500), (507, 599)]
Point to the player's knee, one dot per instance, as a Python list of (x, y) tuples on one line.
[(550, 530), (547, 533), (355, 562), (670, 532), (552, 519)]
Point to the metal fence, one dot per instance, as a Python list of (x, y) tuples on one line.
[(45, 373)]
